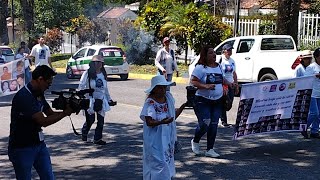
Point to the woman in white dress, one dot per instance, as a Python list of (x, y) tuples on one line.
[(159, 131)]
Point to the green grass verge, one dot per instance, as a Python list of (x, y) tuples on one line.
[(144, 69)]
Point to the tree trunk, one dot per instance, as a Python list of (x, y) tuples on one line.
[(28, 14), (4, 38), (287, 21)]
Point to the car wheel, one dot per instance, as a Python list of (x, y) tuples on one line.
[(268, 77), (69, 73), (124, 76)]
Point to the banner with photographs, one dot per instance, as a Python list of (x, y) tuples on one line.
[(12, 77), (271, 106)]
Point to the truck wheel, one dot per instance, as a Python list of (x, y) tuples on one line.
[(124, 76), (268, 77), (69, 73)]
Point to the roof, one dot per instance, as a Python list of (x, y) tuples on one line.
[(113, 13), (247, 4)]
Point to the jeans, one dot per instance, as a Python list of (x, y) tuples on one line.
[(89, 121), (223, 117), (313, 117), (208, 113), (24, 158), (28, 75)]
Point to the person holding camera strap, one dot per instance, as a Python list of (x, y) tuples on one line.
[(96, 78), (29, 113)]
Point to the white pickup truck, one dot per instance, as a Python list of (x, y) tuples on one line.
[(261, 57)]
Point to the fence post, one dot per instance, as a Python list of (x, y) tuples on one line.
[(299, 29), (258, 26)]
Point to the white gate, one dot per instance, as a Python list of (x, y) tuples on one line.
[(309, 29)]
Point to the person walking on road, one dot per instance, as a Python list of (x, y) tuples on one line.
[(95, 78), (41, 53), (208, 78), (166, 62), (314, 111), (29, 113), (228, 66), (305, 60), (159, 130)]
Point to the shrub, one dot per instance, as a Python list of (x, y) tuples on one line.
[(58, 57), (54, 39)]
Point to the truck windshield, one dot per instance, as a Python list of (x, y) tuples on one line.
[(277, 44)]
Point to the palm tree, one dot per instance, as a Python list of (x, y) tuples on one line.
[(176, 25)]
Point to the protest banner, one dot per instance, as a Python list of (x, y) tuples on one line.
[(271, 106), (12, 77)]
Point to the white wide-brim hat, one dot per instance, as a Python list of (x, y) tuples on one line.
[(306, 54), (159, 80)]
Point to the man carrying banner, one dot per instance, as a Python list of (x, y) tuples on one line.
[(313, 116)]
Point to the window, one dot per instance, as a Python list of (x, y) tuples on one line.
[(7, 51), (111, 52), (245, 45), (81, 53), (276, 44), (219, 49), (91, 52)]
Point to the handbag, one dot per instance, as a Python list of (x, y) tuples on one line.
[(226, 102), (97, 106)]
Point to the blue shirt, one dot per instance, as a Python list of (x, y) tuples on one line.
[(24, 131)]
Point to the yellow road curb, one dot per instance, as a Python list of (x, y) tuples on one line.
[(179, 80)]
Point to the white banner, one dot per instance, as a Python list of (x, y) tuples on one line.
[(12, 77), (271, 106)]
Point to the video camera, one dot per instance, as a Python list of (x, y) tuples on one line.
[(76, 100)]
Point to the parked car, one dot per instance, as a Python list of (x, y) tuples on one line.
[(261, 57), (114, 61), (8, 53)]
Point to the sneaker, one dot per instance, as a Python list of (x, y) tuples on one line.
[(100, 142), (195, 147), (84, 138), (305, 134), (315, 135), (211, 153), (226, 124)]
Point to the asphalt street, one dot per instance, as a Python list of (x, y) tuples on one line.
[(267, 156)]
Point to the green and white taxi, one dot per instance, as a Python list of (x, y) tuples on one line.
[(114, 61)]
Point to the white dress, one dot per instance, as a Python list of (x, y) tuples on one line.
[(158, 142)]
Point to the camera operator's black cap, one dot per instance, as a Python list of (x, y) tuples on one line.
[(45, 71)]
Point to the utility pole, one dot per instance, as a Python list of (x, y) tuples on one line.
[(12, 19), (236, 17)]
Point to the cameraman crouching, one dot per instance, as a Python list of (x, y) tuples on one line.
[(26, 141), (96, 78)]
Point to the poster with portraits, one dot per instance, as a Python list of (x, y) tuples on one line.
[(271, 106), (12, 77)]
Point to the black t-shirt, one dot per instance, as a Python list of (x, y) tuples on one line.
[(24, 131)]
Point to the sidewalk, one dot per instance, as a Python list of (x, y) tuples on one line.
[(179, 80)]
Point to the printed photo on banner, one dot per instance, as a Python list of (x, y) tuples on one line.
[(271, 106), (11, 77)]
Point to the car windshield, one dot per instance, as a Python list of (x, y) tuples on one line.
[(111, 52), (7, 51)]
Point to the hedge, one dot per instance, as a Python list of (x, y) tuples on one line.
[(58, 57)]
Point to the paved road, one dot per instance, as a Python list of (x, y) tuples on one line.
[(266, 156)]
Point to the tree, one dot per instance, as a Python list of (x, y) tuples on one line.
[(287, 19), (28, 14), (4, 39), (314, 7)]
